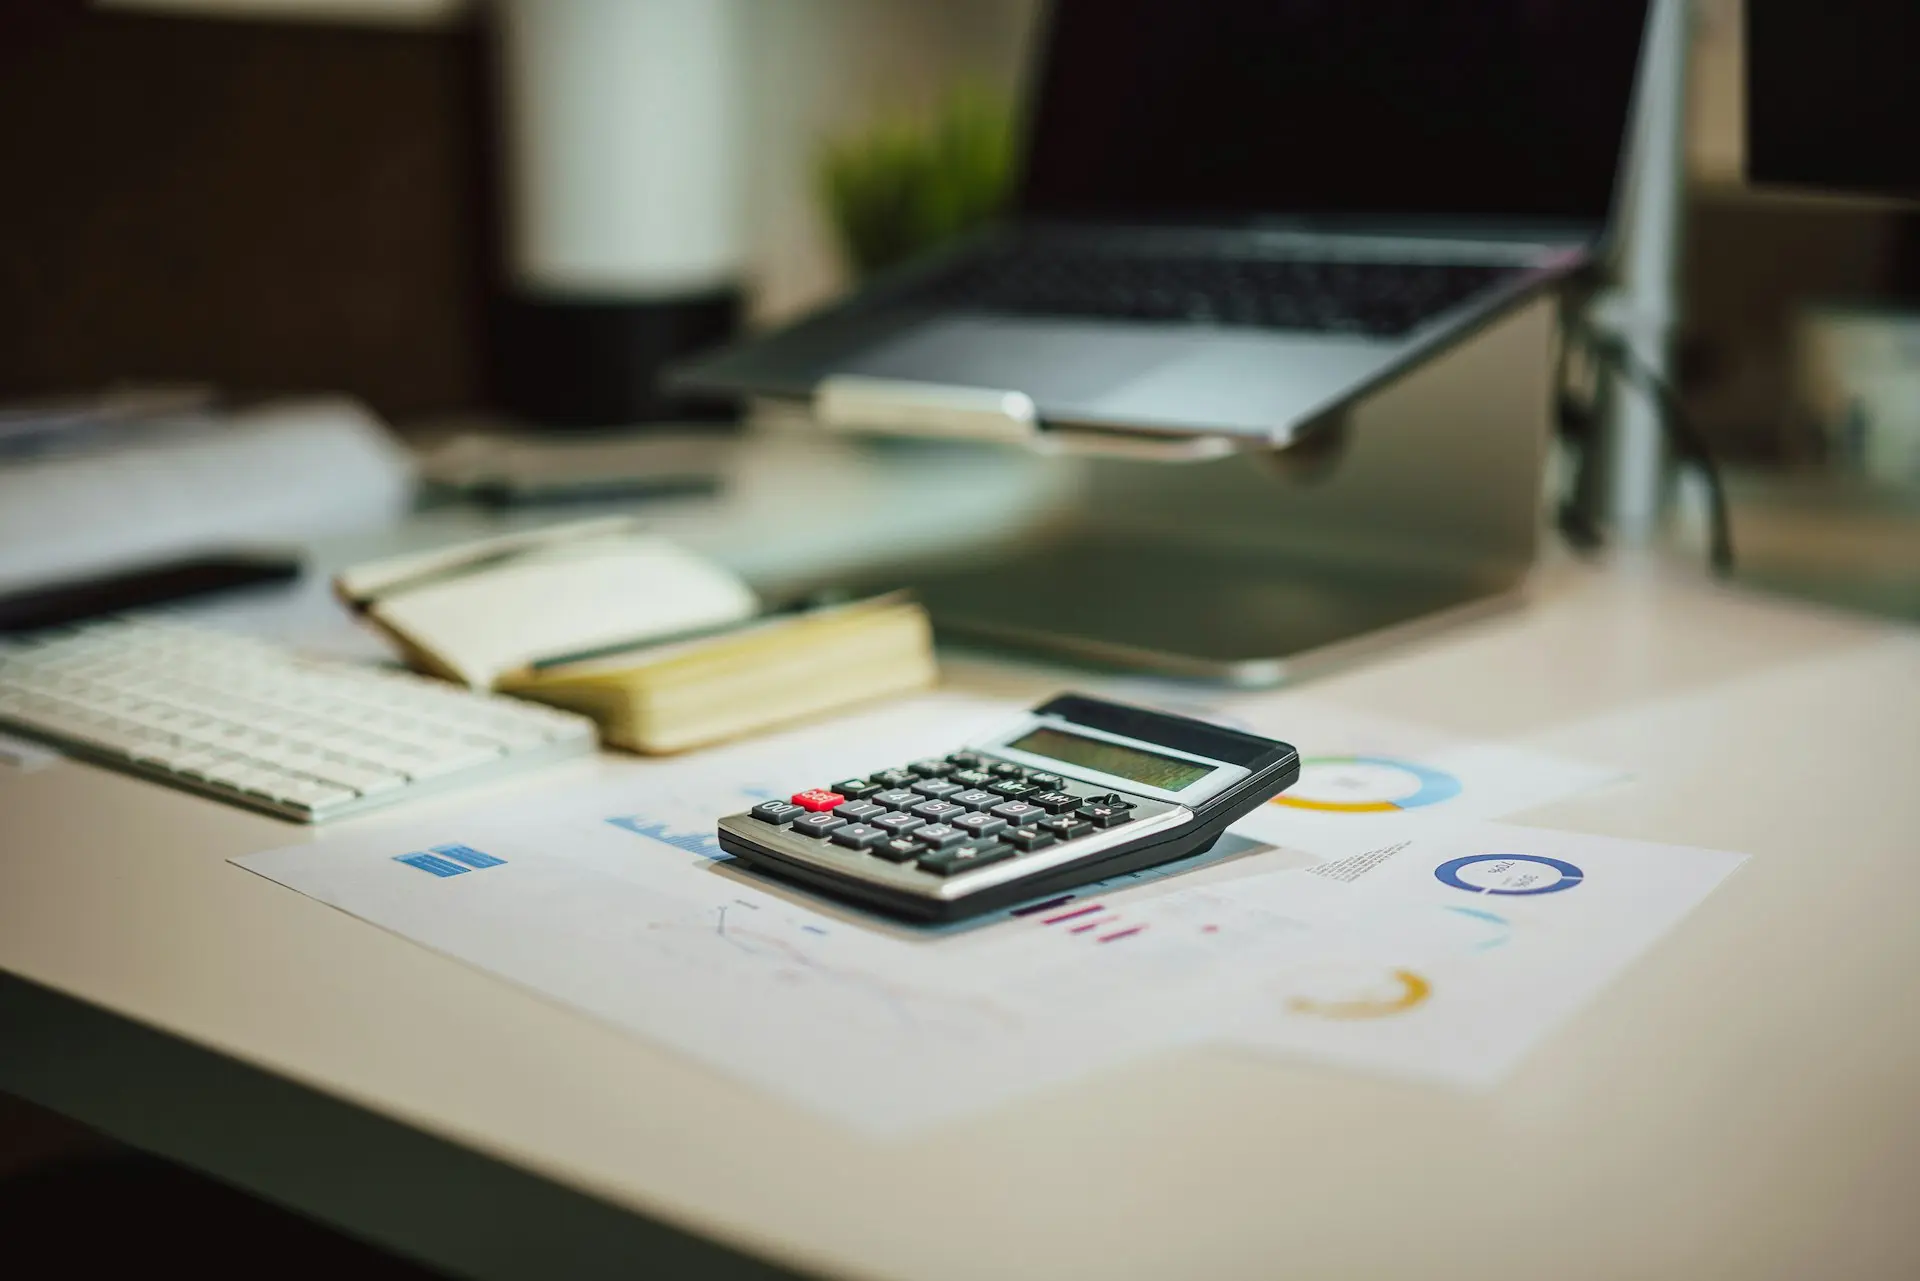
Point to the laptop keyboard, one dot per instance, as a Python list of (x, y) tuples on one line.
[(1376, 299)]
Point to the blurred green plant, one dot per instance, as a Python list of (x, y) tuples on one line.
[(912, 183)]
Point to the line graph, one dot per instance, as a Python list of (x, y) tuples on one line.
[(704, 843)]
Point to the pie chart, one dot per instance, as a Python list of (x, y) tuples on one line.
[(1394, 992), (1366, 785), (1509, 874)]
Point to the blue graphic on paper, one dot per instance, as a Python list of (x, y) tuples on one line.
[(704, 843), (468, 855), (432, 863), (450, 860), (1515, 873)]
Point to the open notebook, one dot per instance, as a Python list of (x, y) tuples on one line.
[(664, 649)]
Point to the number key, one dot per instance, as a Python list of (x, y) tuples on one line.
[(897, 798), (978, 824), (1018, 813), (975, 799), (779, 813), (817, 825), (936, 788), (859, 811), (938, 836), (898, 824), (938, 811), (899, 849)]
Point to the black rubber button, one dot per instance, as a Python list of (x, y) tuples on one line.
[(965, 858)]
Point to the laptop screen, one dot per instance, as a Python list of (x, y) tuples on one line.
[(1234, 109)]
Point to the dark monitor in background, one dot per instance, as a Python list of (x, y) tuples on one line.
[(1508, 110), (1833, 95)]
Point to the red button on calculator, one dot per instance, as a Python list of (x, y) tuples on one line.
[(817, 799)]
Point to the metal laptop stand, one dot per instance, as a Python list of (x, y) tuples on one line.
[(1194, 556)]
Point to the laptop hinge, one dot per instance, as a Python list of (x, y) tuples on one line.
[(902, 407)]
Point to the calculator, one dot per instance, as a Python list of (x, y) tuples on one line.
[(1079, 790)]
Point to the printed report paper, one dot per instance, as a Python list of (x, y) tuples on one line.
[(1441, 954)]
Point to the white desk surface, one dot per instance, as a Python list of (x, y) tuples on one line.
[(1745, 1101)]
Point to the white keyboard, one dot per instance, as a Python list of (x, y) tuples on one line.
[(254, 724)]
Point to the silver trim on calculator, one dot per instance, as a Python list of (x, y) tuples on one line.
[(838, 859)]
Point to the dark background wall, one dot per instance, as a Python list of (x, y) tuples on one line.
[(294, 206), (264, 206)]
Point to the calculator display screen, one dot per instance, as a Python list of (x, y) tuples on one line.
[(1167, 773)]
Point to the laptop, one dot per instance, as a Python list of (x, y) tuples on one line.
[(1234, 217)]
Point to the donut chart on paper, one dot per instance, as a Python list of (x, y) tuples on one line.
[(1367, 785), (1508, 874), (1408, 991)]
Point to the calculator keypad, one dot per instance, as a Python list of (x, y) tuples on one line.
[(943, 816)]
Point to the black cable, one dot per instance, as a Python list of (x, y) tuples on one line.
[(1687, 441), (1576, 517)]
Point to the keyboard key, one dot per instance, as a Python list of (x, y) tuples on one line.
[(1105, 815), (965, 858), (859, 836), (891, 777), (975, 799), (817, 825), (1027, 838), (898, 824), (897, 798), (977, 825), (931, 768), (817, 799), (971, 777), (1066, 826), (964, 760), (939, 836), (779, 813), (938, 811), (1113, 799), (1018, 813), (856, 789), (936, 788), (1055, 802), (1265, 292), (1008, 789), (859, 811), (898, 849), (1005, 769), (1051, 781)]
